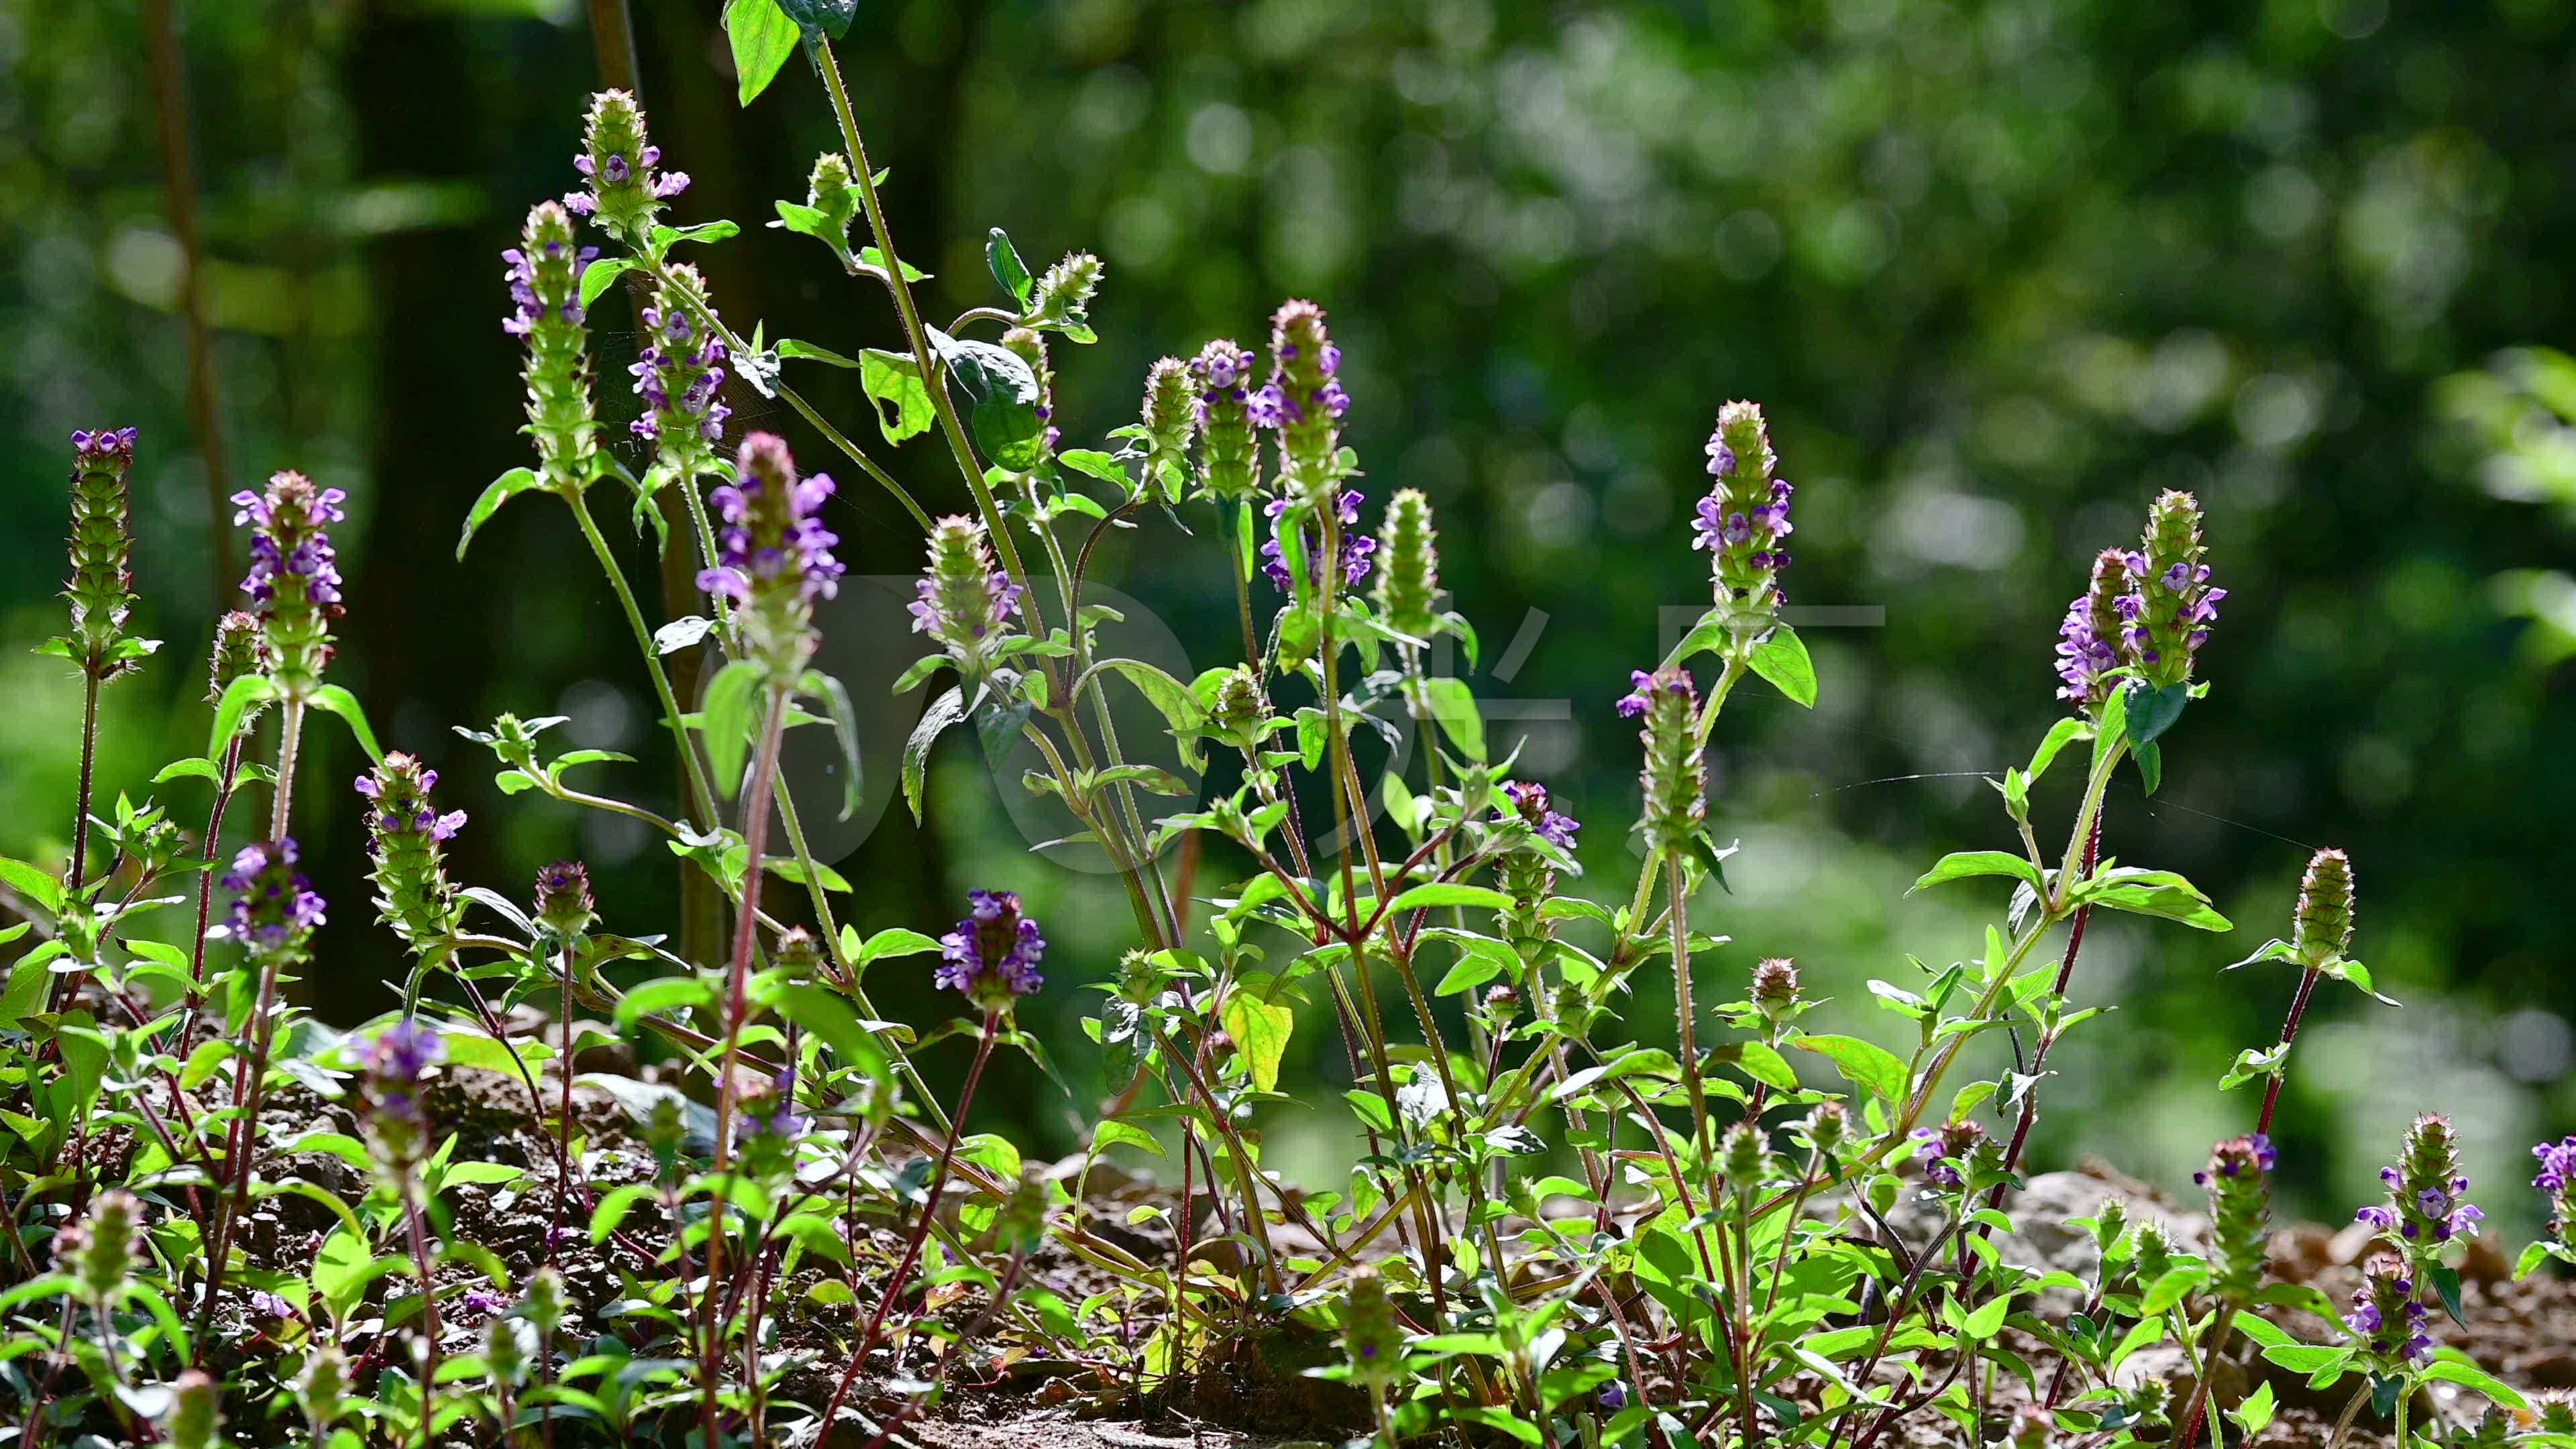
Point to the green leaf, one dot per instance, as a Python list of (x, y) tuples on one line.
[(2061, 734), (1864, 1064), (1451, 893), (2255, 1413), (1453, 704), (1987, 1320), (872, 260), (845, 732), (2153, 711), (34, 882), (1098, 464), (790, 347), (499, 491), (1008, 269), (728, 720), (1961, 864), (762, 38), (1113, 1133), (1260, 1030), (893, 941), (946, 710), (341, 702), (892, 381), (2153, 893), (239, 696), (827, 18), (1180, 708), (660, 995), (829, 1017), (1002, 399), (1782, 659), (596, 277), (2300, 1358)]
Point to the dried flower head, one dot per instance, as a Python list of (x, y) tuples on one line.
[(1675, 778), (564, 903), (544, 272), (2322, 929), (775, 556), (274, 908), (965, 602), (993, 954), (623, 191), (1229, 464), (294, 575), (1743, 521), (2090, 641), (2240, 1203), (2169, 607), (101, 586), (1408, 586), (407, 836)]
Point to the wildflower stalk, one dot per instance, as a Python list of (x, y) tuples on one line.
[(2323, 930), (701, 790), (936, 1188)]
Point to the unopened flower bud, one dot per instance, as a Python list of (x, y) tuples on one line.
[(1029, 346), (321, 1387), (2427, 1205), (564, 903), (1744, 1156), (1240, 711), (240, 650), (1229, 465), (101, 587), (1063, 294), (1408, 586), (798, 955), (2152, 1251), (1170, 419), (1369, 1332), (665, 1133), (2109, 1221), (832, 191), (196, 1412), (2322, 929), (98, 1252), (1502, 1004), (1825, 1127)]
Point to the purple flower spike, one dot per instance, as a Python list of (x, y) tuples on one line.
[(274, 907), (993, 954)]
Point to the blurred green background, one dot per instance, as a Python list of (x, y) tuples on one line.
[(2000, 272)]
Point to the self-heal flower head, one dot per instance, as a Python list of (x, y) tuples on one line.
[(1240, 712), (2240, 1204), (544, 272), (321, 1387), (241, 649), (1528, 876), (2386, 1321), (1408, 581), (1531, 802), (2427, 1205), (680, 375), (2322, 929), (623, 187), (1942, 1151), (274, 908), (195, 1417), (101, 586), (407, 837), (2556, 1182), (1289, 515), (1744, 1157), (394, 1067), (774, 554), (1675, 778), (1775, 986), (1170, 419), (1229, 463), (1744, 521), (294, 575), (2090, 641), (563, 901), (1062, 296), (964, 603), (98, 1252), (1303, 402), (992, 956), (2167, 612), (831, 191), (1029, 346), (1370, 1335)]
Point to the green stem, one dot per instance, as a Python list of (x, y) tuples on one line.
[(290, 741), (701, 790)]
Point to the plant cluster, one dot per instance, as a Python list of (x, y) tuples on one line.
[(1562, 1233)]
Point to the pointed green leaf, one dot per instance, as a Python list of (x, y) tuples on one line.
[(339, 701), (1782, 659), (762, 38)]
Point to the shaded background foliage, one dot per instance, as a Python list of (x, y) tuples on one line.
[(1999, 271)]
